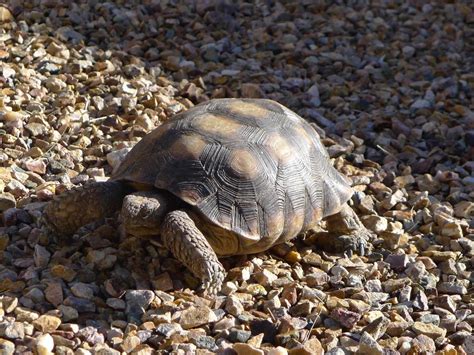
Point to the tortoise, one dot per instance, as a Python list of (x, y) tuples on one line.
[(226, 177)]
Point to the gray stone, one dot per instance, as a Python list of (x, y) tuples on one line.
[(468, 344), (116, 303), (8, 303), (234, 306), (368, 346), (408, 51), (313, 94), (373, 285), (137, 303), (239, 336), (430, 318), (421, 104), (446, 302), (204, 342), (117, 156), (41, 256), (80, 304), (12, 330), (424, 344), (168, 329), (82, 290), (36, 295), (420, 301), (397, 261), (452, 288), (91, 335), (68, 313), (336, 351), (377, 328)]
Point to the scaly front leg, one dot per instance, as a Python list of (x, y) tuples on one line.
[(181, 236)]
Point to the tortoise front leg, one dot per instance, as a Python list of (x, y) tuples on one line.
[(147, 213), (83, 205), (143, 212), (181, 236)]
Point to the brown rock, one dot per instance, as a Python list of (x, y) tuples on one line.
[(64, 272), (130, 343), (251, 90), (7, 200), (8, 303), (163, 282), (310, 347), (265, 277), (246, 349), (395, 329), (44, 344), (6, 347), (279, 350), (422, 344), (368, 345), (289, 294), (46, 323), (345, 317), (293, 257), (196, 316), (375, 223), (464, 209), (4, 240), (427, 329), (5, 14), (452, 230), (234, 306), (54, 293), (37, 166)]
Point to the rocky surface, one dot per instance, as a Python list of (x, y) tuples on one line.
[(388, 86)]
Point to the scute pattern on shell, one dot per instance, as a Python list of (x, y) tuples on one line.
[(252, 167)]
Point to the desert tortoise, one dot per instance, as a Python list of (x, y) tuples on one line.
[(226, 177)]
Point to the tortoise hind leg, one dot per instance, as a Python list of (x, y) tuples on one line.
[(346, 232), (181, 236), (82, 205)]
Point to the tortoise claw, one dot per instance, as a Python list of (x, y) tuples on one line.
[(212, 282), (181, 236), (358, 242)]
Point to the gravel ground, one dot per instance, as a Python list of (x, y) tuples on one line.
[(389, 84)]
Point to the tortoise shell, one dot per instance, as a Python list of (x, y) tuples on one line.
[(252, 167)]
